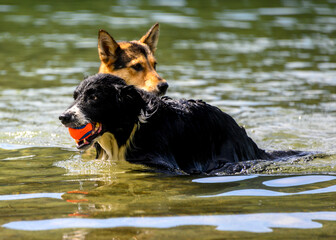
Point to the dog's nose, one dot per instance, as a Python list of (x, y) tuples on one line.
[(65, 118), (163, 87)]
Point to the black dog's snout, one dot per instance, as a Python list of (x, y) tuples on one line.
[(65, 118), (163, 87)]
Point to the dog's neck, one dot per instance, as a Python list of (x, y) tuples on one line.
[(151, 106), (112, 149), (114, 145)]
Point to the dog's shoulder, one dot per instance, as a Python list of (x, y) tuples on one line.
[(100, 80), (106, 79), (189, 106)]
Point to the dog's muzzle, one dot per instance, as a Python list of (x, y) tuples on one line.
[(73, 117), (66, 118), (162, 87)]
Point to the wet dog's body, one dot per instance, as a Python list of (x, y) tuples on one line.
[(176, 135), (132, 61)]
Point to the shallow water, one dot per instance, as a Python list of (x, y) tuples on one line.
[(271, 65)]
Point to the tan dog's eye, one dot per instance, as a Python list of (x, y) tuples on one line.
[(137, 67)]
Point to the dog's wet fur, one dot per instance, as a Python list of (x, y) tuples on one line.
[(133, 61), (181, 136)]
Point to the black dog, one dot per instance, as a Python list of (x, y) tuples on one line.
[(177, 135)]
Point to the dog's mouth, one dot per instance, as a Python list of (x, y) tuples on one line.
[(85, 142)]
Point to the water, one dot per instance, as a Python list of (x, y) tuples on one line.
[(271, 65)]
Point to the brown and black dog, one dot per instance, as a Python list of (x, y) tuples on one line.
[(132, 61)]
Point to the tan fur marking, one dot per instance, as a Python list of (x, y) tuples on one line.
[(151, 38), (106, 47), (110, 146)]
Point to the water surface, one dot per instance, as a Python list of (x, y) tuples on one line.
[(271, 65)]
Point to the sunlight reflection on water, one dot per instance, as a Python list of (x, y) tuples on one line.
[(297, 181), (30, 196), (260, 222), (271, 66), (281, 182)]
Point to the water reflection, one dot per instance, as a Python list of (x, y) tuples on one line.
[(270, 65), (269, 193), (7, 146), (281, 182), (224, 179), (297, 181), (30, 196), (259, 222)]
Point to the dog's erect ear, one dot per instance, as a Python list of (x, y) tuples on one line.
[(151, 38), (107, 46)]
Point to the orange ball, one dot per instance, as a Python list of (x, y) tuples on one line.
[(82, 132)]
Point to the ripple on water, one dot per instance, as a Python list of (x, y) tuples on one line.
[(298, 181), (281, 182), (30, 196), (258, 222), (224, 179)]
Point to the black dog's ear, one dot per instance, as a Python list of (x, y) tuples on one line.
[(131, 98)]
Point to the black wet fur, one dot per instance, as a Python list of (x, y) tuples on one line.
[(188, 136)]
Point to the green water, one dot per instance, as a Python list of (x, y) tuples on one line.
[(270, 64)]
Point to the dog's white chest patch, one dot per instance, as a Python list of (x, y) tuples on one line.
[(110, 146), (111, 149)]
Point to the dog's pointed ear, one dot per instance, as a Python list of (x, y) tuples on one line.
[(107, 46), (151, 38)]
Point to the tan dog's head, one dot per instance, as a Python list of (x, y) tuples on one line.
[(132, 61)]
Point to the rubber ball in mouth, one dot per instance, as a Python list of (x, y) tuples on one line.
[(82, 132)]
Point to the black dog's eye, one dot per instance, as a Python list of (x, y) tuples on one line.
[(91, 95), (93, 98), (137, 67)]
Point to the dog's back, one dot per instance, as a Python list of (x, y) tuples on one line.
[(175, 135), (192, 136)]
